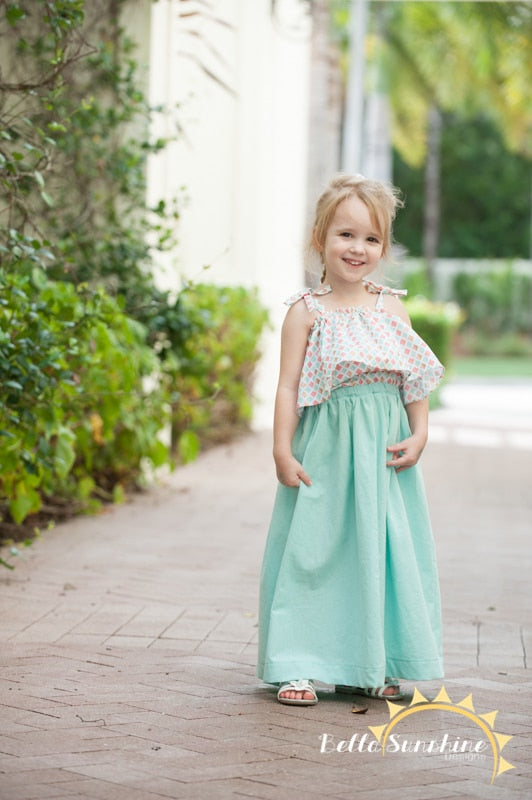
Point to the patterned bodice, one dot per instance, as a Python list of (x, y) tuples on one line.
[(361, 345)]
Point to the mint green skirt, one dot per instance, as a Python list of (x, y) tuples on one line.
[(349, 585)]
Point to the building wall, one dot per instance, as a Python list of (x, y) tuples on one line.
[(240, 162)]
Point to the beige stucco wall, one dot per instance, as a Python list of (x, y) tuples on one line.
[(242, 151)]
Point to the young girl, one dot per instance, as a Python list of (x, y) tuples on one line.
[(349, 585)]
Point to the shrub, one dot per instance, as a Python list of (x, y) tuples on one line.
[(436, 323), (495, 302), (417, 283), (85, 397), (212, 375), (507, 345), (88, 375), (76, 420)]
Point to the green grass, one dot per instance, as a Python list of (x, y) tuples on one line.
[(491, 367)]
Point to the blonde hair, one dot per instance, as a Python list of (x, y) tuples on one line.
[(382, 200)]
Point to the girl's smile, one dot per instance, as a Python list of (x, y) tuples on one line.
[(353, 263)]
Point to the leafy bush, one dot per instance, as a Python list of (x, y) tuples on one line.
[(90, 375), (74, 143), (507, 345), (417, 284), (76, 419), (495, 302), (436, 323), (212, 375), (84, 396)]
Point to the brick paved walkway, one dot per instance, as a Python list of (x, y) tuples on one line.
[(128, 644)]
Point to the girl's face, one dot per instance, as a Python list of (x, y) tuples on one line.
[(353, 245)]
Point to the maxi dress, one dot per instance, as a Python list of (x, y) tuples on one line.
[(349, 585)]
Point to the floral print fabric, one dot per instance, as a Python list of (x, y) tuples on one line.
[(362, 345)]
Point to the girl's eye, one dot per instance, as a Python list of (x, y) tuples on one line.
[(346, 234), (373, 239)]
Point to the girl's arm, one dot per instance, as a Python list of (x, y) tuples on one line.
[(408, 452), (293, 344)]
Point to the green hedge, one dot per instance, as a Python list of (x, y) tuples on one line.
[(87, 391), (436, 323), (496, 310), (213, 376), (495, 302), (76, 419)]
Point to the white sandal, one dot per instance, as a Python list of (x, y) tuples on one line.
[(302, 685), (376, 693)]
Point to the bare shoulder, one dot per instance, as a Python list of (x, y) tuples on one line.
[(393, 305), (294, 336), (298, 315)]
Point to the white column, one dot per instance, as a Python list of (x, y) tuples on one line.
[(272, 150), (242, 155), (354, 101)]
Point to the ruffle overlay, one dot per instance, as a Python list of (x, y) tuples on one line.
[(362, 345)]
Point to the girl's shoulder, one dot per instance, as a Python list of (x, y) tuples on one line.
[(304, 310), (310, 297), (389, 299)]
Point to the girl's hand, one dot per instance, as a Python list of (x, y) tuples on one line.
[(406, 453), (290, 472)]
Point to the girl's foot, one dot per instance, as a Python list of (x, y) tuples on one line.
[(297, 693), (390, 691)]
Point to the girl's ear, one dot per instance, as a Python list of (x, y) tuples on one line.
[(315, 243)]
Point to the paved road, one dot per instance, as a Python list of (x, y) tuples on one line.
[(128, 642)]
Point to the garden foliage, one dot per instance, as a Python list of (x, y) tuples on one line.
[(77, 418), (436, 323), (485, 216), (496, 302), (95, 360), (497, 308), (495, 317), (217, 363)]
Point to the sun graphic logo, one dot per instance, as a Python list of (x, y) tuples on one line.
[(442, 702)]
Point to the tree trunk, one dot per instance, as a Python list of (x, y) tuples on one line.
[(431, 230)]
